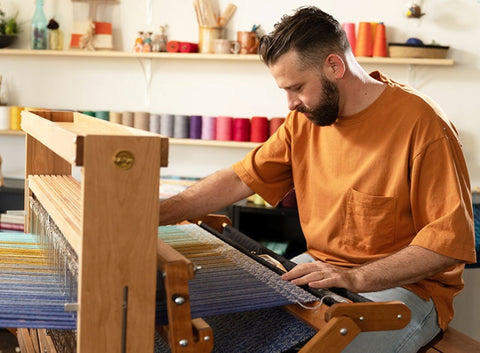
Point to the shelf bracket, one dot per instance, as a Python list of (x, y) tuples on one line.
[(147, 76), (412, 75)]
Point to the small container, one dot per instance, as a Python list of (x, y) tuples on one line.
[(206, 37), (55, 35), (39, 27)]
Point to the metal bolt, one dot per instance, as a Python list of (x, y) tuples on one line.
[(206, 338), (343, 331), (178, 299), (399, 316), (183, 343), (361, 318)]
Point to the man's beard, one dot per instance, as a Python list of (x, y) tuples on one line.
[(327, 112)]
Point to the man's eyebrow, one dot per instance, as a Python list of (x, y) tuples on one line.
[(291, 86)]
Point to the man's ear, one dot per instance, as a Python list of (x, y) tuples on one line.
[(334, 66)]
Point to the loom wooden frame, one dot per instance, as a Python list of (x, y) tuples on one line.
[(336, 326), (110, 218)]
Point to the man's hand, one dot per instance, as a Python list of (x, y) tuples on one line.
[(320, 274), (406, 266)]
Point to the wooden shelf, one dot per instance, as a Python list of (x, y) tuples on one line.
[(197, 56), (12, 132), (173, 141), (112, 54), (212, 143)]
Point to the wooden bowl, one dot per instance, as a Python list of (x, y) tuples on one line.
[(402, 50)]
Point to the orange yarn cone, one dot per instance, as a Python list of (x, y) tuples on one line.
[(380, 44), (364, 40)]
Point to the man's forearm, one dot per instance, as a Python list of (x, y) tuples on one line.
[(408, 265), (209, 195)]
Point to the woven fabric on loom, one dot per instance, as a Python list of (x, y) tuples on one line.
[(476, 219), (30, 294), (261, 331), (228, 280)]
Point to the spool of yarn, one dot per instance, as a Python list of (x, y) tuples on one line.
[(186, 47), (181, 126), (364, 40), (102, 114), (195, 127), (115, 117), (4, 117), (166, 125), (127, 118), (173, 46), (241, 129), (259, 129), (275, 124), (15, 117), (209, 128), (224, 128), (349, 28), (155, 123), (141, 120), (380, 42)]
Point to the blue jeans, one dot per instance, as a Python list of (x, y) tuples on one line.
[(423, 326)]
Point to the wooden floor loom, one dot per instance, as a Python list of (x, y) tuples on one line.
[(110, 220)]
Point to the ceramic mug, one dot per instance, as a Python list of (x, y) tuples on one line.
[(225, 46), (248, 42)]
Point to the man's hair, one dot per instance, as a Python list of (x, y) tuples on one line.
[(312, 33)]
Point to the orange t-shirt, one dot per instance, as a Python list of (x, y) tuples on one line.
[(373, 183)]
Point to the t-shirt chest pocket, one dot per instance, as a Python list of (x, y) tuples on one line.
[(369, 222)]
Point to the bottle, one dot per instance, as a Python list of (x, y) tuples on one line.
[(55, 35), (39, 27)]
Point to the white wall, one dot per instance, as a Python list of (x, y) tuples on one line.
[(238, 89)]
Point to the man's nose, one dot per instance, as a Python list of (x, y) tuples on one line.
[(293, 101)]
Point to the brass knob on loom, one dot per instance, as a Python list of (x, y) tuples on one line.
[(124, 160)]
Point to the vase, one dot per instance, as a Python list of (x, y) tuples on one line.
[(39, 27)]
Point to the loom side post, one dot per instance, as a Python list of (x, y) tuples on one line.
[(182, 333), (119, 232)]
